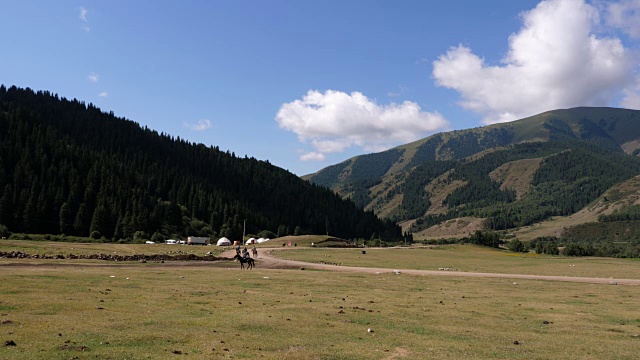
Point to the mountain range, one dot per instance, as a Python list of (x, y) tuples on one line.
[(68, 168), (509, 176)]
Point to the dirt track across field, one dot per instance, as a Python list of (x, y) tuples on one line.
[(267, 260)]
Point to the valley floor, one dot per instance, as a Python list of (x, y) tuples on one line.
[(271, 261)]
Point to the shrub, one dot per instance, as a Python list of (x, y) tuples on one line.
[(574, 249), (19, 236), (551, 249), (518, 246), (157, 237), (4, 231), (140, 236), (485, 238)]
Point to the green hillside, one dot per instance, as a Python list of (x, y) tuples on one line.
[(67, 167), (616, 128), (511, 175)]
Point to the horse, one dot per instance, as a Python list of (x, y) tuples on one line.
[(250, 262), (255, 252)]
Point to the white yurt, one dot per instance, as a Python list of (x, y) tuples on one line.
[(260, 241), (224, 242), (250, 241)]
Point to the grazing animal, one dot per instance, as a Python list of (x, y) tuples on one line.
[(250, 262)]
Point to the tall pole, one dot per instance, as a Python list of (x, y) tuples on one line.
[(244, 229), (326, 224)]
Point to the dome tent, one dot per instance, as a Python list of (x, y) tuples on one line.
[(224, 242)]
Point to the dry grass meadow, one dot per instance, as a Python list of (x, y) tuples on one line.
[(60, 309), (469, 258)]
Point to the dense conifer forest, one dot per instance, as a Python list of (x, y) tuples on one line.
[(67, 167)]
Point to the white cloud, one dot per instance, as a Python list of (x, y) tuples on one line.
[(103, 94), (201, 125), (625, 15), (554, 61), (312, 156), (334, 121), (631, 99), (331, 146), (93, 77), (83, 14)]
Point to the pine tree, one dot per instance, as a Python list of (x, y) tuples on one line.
[(101, 222), (66, 219), (80, 222)]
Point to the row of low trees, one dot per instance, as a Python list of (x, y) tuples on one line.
[(67, 167), (571, 247), (552, 245), (556, 246)]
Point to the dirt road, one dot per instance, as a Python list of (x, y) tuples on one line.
[(267, 260)]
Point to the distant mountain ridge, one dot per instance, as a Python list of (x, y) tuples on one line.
[(66, 167), (613, 127), (502, 173)]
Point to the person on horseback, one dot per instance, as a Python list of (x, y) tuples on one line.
[(245, 253), (254, 251), (249, 261)]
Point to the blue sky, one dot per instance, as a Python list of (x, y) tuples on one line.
[(307, 84)]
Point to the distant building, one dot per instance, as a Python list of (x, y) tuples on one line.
[(194, 240)]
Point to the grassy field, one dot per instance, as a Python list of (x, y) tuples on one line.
[(63, 310), (54, 248), (470, 258)]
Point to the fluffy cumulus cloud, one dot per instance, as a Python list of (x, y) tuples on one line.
[(201, 125), (556, 60), (93, 77), (334, 121), (103, 94)]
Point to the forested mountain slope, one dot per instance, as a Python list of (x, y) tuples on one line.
[(511, 174), (67, 167)]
